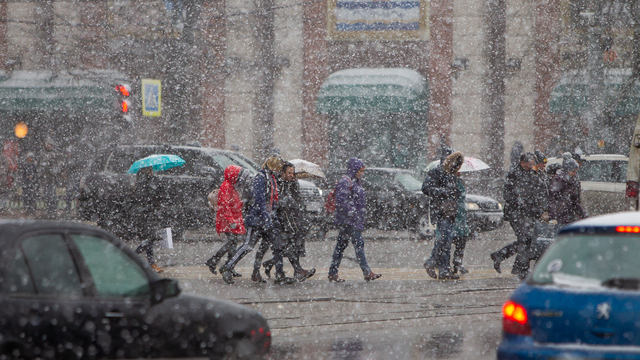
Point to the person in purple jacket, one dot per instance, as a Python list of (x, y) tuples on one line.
[(350, 213)]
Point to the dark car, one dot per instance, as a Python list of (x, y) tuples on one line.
[(71, 291), (105, 191), (582, 299), (395, 201)]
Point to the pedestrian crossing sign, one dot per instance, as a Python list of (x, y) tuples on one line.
[(151, 98)]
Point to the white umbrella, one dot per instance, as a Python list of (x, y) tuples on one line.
[(307, 169), (469, 164)]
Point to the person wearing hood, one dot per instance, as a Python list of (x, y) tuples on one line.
[(441, 185), (229, 219), (564, 193), (262, 223), (522, 208), (350, 214)]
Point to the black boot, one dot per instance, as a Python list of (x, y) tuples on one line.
[(227, 275), (212, 263), (268, 265), (496, 262), (256, 276)]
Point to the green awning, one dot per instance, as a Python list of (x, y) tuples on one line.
[(390, 90), (45, 91), (571, 93)]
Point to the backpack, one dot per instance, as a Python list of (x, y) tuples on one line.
[(330, 203), (213, 200)]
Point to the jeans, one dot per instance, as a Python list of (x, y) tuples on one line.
[(441, 252), (348, 232), (269, 237)]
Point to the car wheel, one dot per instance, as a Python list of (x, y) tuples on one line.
[(241, 349), (424, 228)]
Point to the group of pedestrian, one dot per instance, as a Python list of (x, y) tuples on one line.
[(536, 195), (42, 172), (268, 209)]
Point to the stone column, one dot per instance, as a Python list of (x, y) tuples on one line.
[(547, 29), (315, 138), (213, 84), (440, 83)]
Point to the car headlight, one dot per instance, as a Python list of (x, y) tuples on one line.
[(320, 192), (499, 206), (471, 206)]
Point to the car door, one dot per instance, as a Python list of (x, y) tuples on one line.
[(122, 294), (44, 299)]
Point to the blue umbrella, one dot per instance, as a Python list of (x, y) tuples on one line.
[(159, 162)]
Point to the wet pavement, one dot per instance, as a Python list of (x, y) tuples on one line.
[(403, 315)]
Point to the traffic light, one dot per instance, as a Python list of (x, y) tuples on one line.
[(124, 92), (21, 130)]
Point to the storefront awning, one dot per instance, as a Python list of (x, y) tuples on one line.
[(384, 89), (571, 93), (46, 91)]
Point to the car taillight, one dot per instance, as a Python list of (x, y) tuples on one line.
[(632, 189), (628, 229), (514, 319)]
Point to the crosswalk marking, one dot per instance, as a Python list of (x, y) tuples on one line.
[(350, 274)]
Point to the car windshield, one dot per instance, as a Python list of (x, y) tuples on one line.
[(590, 260), (409, 182)]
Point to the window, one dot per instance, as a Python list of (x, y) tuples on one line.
[(603, 171), (114, 272), (18, 278), (53, 269)]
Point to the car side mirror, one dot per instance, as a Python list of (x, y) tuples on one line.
[(209, 171), (636, 141), (165, 288)]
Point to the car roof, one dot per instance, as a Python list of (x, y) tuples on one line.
[(181, 147), (608, 223), (593, 157), (13, 229)]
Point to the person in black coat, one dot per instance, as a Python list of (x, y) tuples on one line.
[(522, 207), (293, 225), (147, 206), (441, 186)]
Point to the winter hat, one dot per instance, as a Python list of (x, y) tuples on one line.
[(540, 158), (568, 164)]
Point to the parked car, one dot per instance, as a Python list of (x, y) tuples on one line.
[(602, 179), (70, 291), (395, 201), (582, 299), (105, 190)]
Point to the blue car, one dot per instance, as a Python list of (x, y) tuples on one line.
[(582, 299)]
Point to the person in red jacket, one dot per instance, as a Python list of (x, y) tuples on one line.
[(229, 215)]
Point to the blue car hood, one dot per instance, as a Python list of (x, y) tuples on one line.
[(579, 315)]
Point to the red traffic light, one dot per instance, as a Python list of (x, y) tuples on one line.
[(124, 90)]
